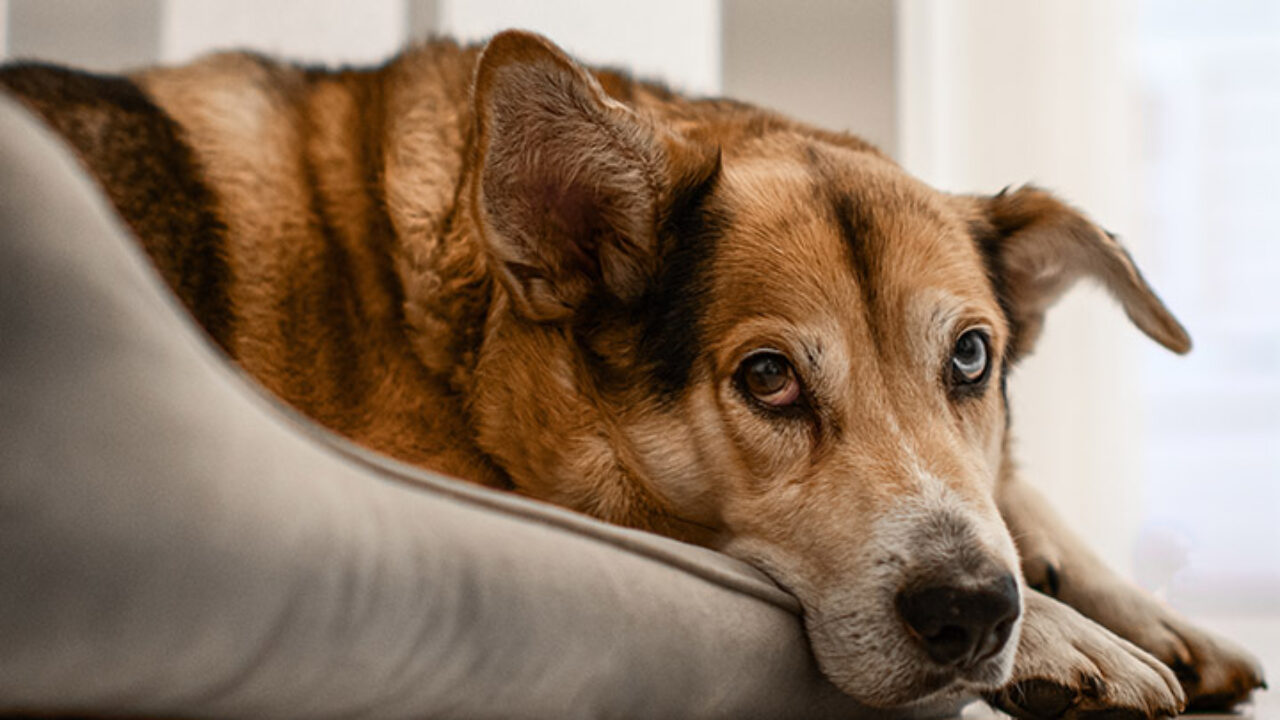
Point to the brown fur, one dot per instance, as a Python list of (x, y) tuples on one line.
[(508, 268)]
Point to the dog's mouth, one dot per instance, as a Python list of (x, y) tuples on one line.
[(893, 667)]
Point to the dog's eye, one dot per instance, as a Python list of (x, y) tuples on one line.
[(969, 358), (769, 377)]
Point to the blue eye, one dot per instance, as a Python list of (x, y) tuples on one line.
[(970, 358)]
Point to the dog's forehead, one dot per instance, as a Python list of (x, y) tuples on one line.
[(811, 227)]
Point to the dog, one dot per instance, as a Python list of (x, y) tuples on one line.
[(690, 316)]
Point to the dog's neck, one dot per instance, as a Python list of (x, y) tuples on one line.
[(454, 305), (462, 326), (448, 291), (425, 168)]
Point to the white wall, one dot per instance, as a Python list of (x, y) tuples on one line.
[(328, 31), (828, 62), (104, 36), (674, 40)]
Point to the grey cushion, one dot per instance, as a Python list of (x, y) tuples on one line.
[(173, 542)]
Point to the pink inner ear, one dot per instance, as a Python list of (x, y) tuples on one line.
[(568, 217)]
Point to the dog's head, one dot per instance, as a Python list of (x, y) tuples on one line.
[(719, 324)]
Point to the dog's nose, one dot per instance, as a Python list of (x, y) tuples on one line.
[(961, 626)]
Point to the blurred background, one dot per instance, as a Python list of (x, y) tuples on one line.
[(1159, 117)]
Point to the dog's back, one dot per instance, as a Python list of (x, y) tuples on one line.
[(271, 198)]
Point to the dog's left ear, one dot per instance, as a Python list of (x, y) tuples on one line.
[(572, 184), (1036, 247)]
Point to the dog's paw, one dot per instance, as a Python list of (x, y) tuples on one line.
[(1068, 666), (1214, 672)]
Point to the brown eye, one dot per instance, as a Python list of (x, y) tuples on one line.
[(969, 358), (769, 377)]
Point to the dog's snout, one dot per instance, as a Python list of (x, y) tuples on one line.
[(961, 626)]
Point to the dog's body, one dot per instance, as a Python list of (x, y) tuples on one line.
[(689, 316)]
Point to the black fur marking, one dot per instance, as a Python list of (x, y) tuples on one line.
[(331, 308), (989, 240), (856, 226), (671, 332), (1004, 393), (668, 315), (139, 156), (859, 236), (660, 333), (380, 232)]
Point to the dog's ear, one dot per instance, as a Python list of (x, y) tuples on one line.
[(572, 184), (1036, 247)]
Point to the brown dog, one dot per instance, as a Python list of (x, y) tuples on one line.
[(690, 316)]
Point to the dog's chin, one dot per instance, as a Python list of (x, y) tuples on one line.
[(923, 686), (896, 675)]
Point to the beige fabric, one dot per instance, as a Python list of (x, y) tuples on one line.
[(173, 543)]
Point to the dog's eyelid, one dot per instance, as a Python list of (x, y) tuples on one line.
[(804, 354), (951, 316), (959, 323), (963, 328)]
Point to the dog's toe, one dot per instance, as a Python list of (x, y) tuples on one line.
[(1044, 699), (1215, 674), (1222, 696), (1070, 667)]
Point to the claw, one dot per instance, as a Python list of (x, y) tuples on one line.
[(1185, 672), (1115, 714), (1036, 698)]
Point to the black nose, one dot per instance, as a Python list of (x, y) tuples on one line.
[(961, 626)]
